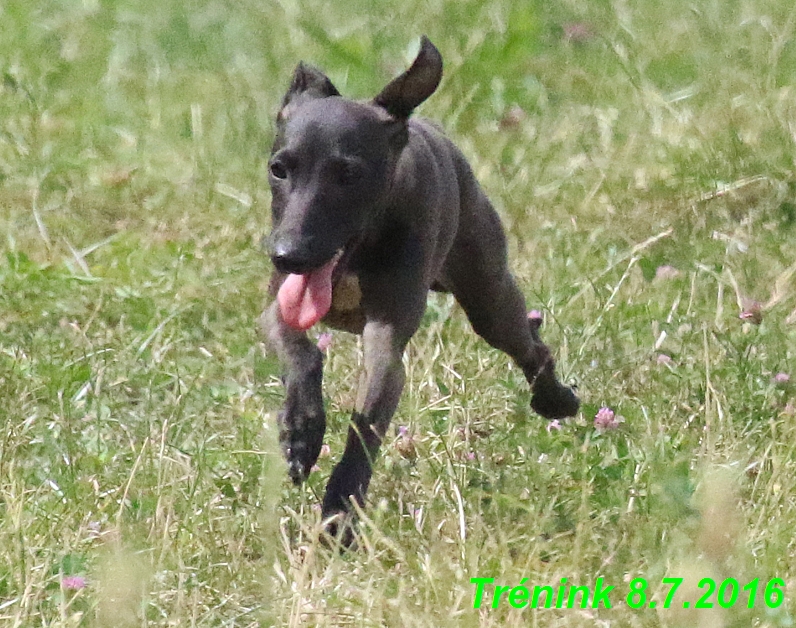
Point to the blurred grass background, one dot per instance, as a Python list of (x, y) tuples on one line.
[(642, 157)]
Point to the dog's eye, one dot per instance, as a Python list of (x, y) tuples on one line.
[(278, 170), (347, 173)]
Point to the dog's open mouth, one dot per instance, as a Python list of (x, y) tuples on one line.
[(305, 299)]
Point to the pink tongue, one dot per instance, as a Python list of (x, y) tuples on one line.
[(305, 299)]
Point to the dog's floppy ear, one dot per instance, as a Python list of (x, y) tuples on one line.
[(406, 92), (308, 83)]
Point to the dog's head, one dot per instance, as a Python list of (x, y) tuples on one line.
[(331, 171)]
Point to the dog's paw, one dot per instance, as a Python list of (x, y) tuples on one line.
[(344, 492), (551, 399), (339, 531), (555, 403), (346, 483), (301, 439)]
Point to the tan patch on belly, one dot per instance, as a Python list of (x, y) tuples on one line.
[(346, 295), (346, 310)]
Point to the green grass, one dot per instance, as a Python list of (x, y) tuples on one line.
[(138, 443)]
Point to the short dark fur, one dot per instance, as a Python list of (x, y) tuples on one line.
[(400, 199)]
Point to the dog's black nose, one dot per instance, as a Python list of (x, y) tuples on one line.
[(290, 259)]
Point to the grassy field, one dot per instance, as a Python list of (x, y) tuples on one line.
[(642, 156)]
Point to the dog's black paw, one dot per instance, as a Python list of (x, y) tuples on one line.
[(555, 405), (347, 481), (302, 422), (347, 485), (301, 455), (551, 399), (301, 446), (339, 531)]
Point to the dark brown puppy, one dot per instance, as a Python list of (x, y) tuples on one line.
[(371, 210)]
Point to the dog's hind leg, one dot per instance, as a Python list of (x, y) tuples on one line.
[(302, 421), (477, 273)]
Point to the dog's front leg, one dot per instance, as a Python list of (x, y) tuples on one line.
[(378, 395), (302, 421)]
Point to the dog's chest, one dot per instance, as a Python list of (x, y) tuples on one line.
[(346, 311)]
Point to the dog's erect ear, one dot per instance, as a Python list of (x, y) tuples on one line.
[(410, 89), (308, 83)]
